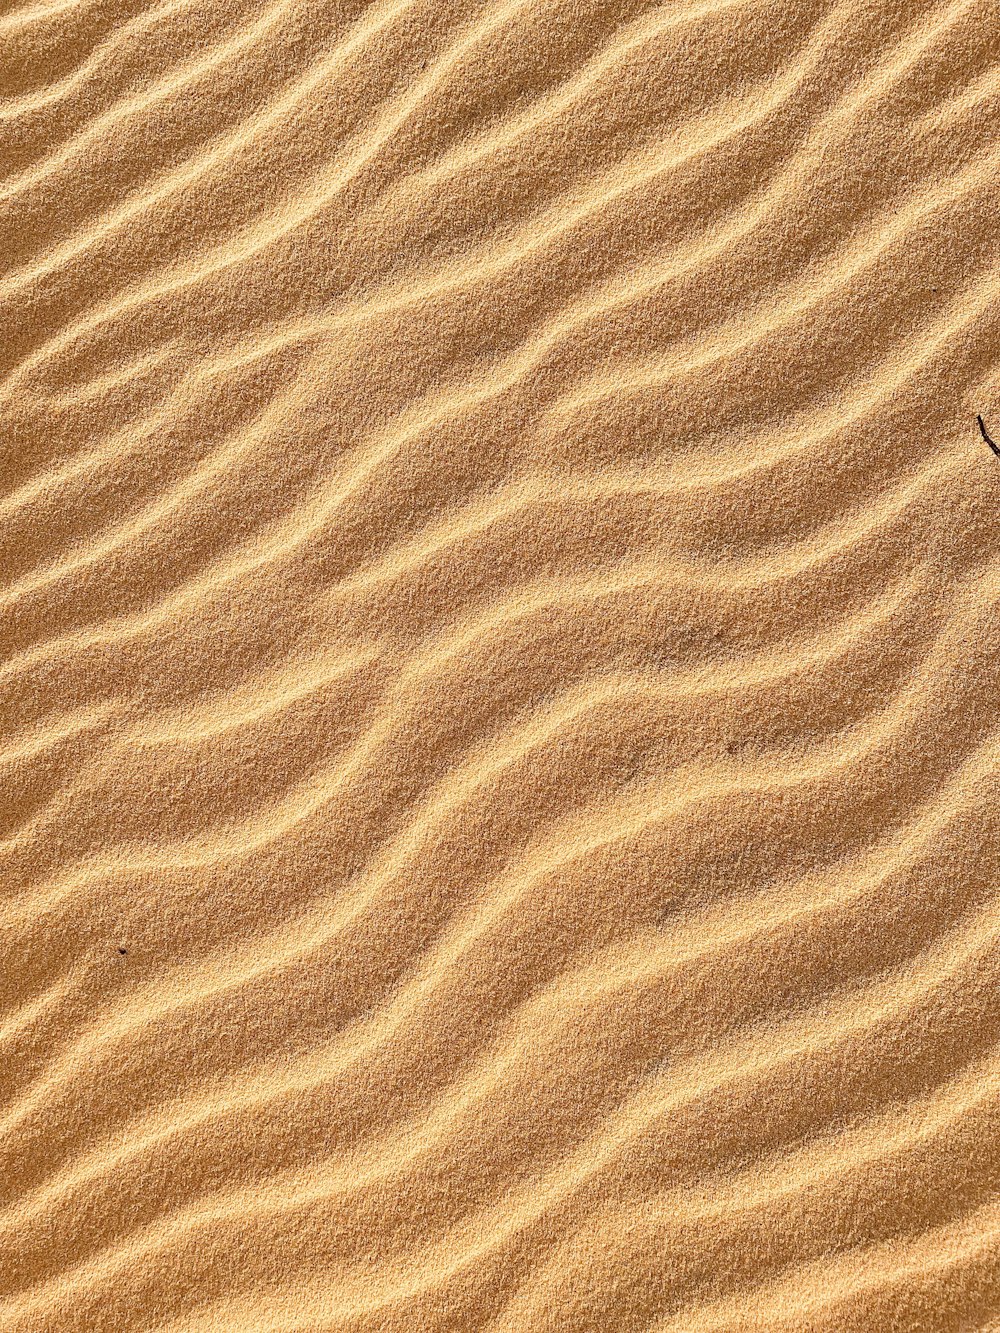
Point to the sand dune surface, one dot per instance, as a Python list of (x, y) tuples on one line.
[(499, 666)]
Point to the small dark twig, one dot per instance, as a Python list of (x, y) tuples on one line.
[(995, 447)]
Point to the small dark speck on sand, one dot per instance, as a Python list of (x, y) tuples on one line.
[(983, 432), (122, 951)]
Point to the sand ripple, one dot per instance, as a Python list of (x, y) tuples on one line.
[(500, 659)]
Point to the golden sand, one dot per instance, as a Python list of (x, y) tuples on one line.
[(500, 661)]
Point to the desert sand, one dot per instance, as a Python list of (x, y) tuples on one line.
[(499, 666)]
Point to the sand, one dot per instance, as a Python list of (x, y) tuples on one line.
[(499, 664)]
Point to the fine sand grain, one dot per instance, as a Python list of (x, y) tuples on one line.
[(499, 666)]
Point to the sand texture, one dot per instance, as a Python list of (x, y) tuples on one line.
[(499, 666)]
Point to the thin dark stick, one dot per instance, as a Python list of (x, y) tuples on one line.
[(994, 447)]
